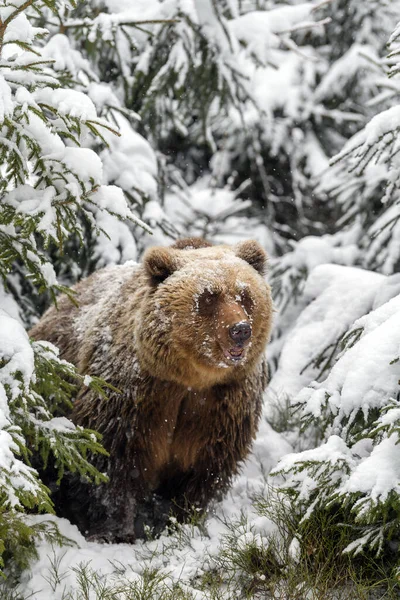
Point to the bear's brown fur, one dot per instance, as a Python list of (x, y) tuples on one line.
[(182, 335)]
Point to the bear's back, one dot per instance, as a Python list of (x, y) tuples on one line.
[(66, 325)]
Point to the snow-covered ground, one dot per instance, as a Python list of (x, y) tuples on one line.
[(181, 556)]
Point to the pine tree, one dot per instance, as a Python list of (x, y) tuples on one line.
[(51, 184), (347, 187), (182, 81), (367, 189), (314, 99), (346, 386)]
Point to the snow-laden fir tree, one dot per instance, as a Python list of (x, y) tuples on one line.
[(340, 358), (314, 99), (367, 190), (184, 82), (349, 195), (50, 185)]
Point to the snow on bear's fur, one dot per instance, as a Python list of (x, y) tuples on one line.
[(182, 337)]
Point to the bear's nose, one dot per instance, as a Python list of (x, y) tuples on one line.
[(240, 332)]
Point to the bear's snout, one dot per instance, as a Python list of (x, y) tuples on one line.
[(240, 332), (234, 332)]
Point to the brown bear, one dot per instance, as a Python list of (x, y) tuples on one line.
[(182, 337)]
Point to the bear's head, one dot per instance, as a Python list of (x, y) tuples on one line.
[(206, 316)]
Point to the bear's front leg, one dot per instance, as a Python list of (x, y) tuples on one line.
[(206, 480), (112, 523), (194, 492), (116, 511)]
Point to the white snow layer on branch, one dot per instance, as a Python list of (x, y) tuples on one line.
[(365, 307), (335, 296), (26, 199), (378, 141), (312, 251), (6, 103), (344, 70), (16, 356), (294, 268), (117, 245), (365, 376), (377, 474), (65, 58), (68, 102), (130, 162), (16, 372), (20, 30), (332, 452), (259, 30)]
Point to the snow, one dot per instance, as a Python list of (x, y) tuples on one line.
[(111, 199), (47, 271), (30, 201), (214, 28), (20, 30), (59, 424), (9, 305), (210, 212), (179, 557), (84, 164), (17, 353), (259, 29), (16, 372), (131, 164), (118, 245), (344, 70), (378, 474), (375, 140), (332, 452), (128, 12), (208, 202), (104, 97), (66, 58), (316, 159), (6, 104), (50, 143), (68, 102), (333, 298), (341, 300), (364, 377), (311, 251), (385, 245)]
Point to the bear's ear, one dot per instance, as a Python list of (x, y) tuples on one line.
[(254, 254), (159, 263)]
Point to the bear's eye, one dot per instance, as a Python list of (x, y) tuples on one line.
[(246, 301), (207, 302)]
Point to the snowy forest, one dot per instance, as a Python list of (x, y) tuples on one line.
[(131, 123)]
